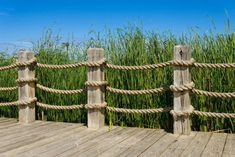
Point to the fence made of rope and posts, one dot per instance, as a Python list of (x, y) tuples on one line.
[(96, 86)]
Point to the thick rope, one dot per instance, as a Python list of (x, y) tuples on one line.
[(26, 80), (8, 88), (143, 67), (96, 83), (182, 88), (183, 62), (72, 107), (96, 105), (59, 91), (75, 65), (57, 107), (140, 111), (213, 94), (209, 65), (19, 103), (18, 64), (214, 114), (136, 92), (28, 63)]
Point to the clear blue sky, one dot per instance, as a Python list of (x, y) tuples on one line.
[(26, 20)]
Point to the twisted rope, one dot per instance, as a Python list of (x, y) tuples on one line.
[(26, 80), (18, 64), (72, 107), (136, 92), (96, 106), (213, 114), (213, 94), (183, 62), (8, 88), (57, 107), (96, 83), (28, 63), (143, 67), (59, 91), (181, 88), (75, 65), (140, 111), (209, 65), (19, 103)]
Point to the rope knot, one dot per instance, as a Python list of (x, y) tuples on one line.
[(27, 102), (96, 83), (96, 63), (26, 80), (181, 88), (183, 62), (27, 63), (186, 113), (96, 105)]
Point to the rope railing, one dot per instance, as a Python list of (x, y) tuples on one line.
[(96, 84)]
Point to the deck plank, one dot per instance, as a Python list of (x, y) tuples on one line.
[(63, 144), (157, 148), (178, 146), (196, 147), (229, 148), (142, 145), (215, 146), (80, 145), (117, 149), (49, 139)]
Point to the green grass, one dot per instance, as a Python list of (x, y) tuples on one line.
[(133, 46)]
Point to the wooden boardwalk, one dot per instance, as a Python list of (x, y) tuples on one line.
[(48, 139)]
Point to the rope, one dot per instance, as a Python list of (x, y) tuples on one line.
[(75, 65), (96, 83), (19, 103), (8, 88), (183, 62), (18, 64), (57, 107), (136, 92), (209, 65), (214, 94), (181, 88), (26, 80), (28, 63), (213, 114), (96, 106), (140, 111), (144, 67), (59, 91), (72, 107)]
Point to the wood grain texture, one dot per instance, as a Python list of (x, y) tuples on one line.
[(95, 94), (26, 90), (49, 139), (182, 99)]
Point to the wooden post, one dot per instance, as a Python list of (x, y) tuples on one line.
[(182, 99), (95, 94), (26, 90)]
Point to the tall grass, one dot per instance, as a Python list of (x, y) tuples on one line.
[(133, 46)]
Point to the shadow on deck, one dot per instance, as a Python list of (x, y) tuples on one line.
[(49, 139)]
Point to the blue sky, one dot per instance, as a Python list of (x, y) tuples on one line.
[(23, 21)]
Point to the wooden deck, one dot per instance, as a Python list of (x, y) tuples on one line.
[(49, 139)]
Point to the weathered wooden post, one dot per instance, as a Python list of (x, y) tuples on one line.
[(26, 91), (95, 93), (182, 98)]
